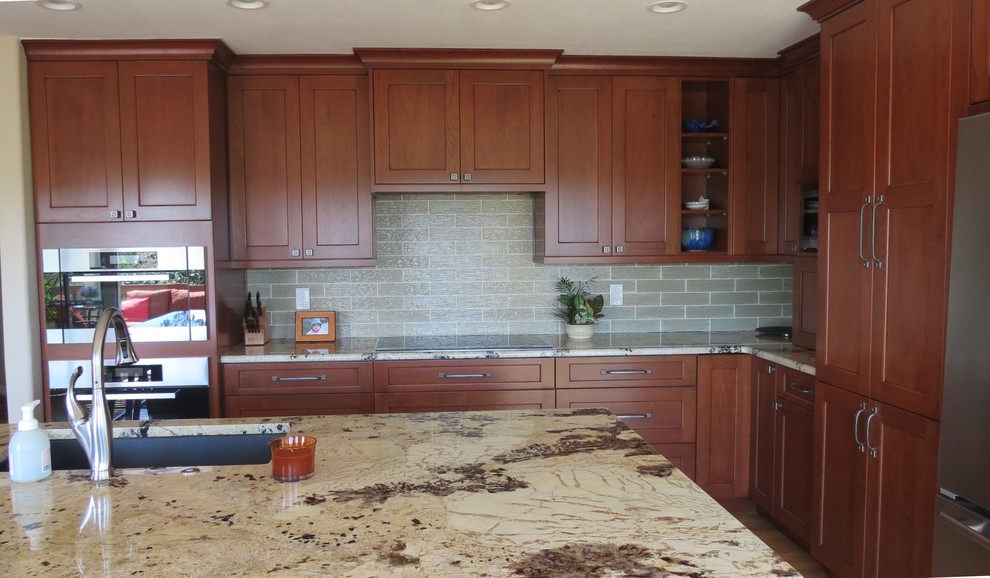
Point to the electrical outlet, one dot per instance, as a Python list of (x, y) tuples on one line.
[(615, 294), (302, 298)]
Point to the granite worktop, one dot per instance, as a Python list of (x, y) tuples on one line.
[(559, 493), (612, 344)]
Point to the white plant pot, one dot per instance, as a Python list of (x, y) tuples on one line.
[(579, 331)]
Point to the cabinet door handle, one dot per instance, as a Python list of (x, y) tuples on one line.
[(862, 214), (130, 214), (776, 406), (627, 372), (771, 369), (619, 249), (295, 253), (859, 444), (607, 250), (464, 375), (308, 252), (646, 415), (303, 378), (869, 421), (114, 214), (467, 177), (805, 390), (453, 177), (873, 242)]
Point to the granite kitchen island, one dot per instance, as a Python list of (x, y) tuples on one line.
[(509, 493)]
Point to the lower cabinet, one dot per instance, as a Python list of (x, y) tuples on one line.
[(723, 425), (463, 385), (653, 395), (875, 478), (297, 388), (782, 447)]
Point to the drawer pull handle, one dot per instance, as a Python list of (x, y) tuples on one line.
[(627, 372), (464, 375), (646, 415), (799, 389), (304, 378)]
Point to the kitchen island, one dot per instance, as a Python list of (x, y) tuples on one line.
[(509, 493)]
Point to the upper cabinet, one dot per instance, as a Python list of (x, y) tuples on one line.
[(458, 120), (300, 174), (799, 104), (126, 130), (979, 84), (612, 159)]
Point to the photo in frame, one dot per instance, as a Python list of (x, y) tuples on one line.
[(316, 325)]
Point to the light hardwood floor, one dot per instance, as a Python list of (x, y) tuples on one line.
[(779, 543)]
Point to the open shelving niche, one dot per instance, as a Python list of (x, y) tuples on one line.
[(704, 101)]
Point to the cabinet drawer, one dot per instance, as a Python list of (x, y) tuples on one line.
[(632, 371), (463, 375), (297, 378), (463, 401), (796, 386), (300, 404), (658, 414)]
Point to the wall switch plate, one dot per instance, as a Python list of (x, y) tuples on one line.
[(615, 294), (302, 298)]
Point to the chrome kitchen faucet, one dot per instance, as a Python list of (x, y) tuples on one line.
[(94, 429)]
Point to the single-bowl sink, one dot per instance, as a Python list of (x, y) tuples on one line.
[(169, 451)]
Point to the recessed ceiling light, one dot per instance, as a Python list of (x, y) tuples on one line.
[(59, 4), (489, 4), (248, 4), (667, 6)]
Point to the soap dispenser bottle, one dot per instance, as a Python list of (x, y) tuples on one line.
[(30, 451)]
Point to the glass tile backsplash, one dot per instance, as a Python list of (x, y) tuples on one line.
[(463, 265)]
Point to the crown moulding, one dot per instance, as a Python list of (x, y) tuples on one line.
[(475, 58), (206, 49), (824, 9)]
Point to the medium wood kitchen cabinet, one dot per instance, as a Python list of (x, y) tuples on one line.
[(979, 82), (654, 395), (804, 314), (799, 118), (783, 446), (458, 127), (875, 474), (463, 385), (724, 400), (612, 168), (297, 388), (122, 131), (300, 170)]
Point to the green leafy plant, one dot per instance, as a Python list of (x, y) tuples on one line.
[(576, 304)]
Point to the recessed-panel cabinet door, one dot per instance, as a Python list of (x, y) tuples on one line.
[(754, 174), (336, 167), (265, 197), (75, 141)]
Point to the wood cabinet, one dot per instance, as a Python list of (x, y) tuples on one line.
[(298, 388), (799, 118), (122, 131), (463, 384), (875, 475), (611, 164), (724, 401), (979, 81), (300, 170), (886, 171), (654, 395), (783, 446), (458, 127), (804, 315), (754, 175)]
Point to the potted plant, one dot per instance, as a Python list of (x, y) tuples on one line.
[(578, 308)]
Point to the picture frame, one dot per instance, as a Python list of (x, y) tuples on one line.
[(316, 326)]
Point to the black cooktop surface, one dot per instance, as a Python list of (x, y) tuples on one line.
[(461, 343)]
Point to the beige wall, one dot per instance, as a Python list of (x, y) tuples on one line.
[(21, 334)]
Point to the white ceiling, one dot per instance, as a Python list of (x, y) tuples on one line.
[(735, 28)]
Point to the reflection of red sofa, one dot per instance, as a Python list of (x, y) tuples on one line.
[(143, 302)]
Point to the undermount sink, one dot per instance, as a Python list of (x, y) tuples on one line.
[(169, 451)]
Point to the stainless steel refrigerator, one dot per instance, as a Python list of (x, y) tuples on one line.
[(962, 516)]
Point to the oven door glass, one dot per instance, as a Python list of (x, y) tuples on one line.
[(161, 292)]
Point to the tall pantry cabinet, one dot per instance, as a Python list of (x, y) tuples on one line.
[(893, 86)]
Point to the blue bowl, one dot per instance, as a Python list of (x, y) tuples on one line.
[(697, 238)]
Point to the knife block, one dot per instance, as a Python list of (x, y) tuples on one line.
[(259, 337)]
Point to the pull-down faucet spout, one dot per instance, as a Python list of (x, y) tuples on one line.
[(94, 429)]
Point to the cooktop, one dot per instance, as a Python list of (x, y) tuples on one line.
[(461, 343)]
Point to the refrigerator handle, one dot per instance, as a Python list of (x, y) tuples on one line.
[(859, 444)]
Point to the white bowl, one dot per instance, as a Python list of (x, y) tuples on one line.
[(698, 162), (697, 205)]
